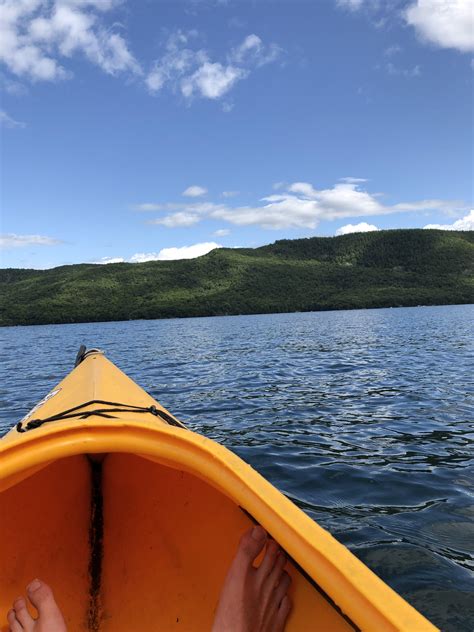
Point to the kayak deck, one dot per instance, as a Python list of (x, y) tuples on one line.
[(134, 522)]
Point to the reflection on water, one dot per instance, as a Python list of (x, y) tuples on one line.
[(363, 418)]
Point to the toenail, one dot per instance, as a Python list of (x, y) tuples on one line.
[(258, 533), (35, 584)]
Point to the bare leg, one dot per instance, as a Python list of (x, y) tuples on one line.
[(254, 599), (49, 618)]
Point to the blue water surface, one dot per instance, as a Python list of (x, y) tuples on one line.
[(364, 418)]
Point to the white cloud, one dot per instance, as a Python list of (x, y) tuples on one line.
[(363, 227), (194, 191), (300, 205), (222, 232), (37, 35), (8, 121), (302, 188), (445, 23), (345, 199), (193, 73), (170, 254), (180, 219), (11, 240), (286, 212), (465, 223), (229, 194), (211, 80)]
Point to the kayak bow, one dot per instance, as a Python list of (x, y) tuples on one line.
[(133, 519)]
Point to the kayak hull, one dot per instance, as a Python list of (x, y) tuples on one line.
[(134, 521)]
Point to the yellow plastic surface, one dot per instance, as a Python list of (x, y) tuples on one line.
[(171, 523)]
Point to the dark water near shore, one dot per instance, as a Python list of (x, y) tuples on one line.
[(364, 418)]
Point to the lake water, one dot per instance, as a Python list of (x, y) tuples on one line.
[(364, 418)]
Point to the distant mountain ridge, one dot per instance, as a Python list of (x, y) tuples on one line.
[(362, 270)]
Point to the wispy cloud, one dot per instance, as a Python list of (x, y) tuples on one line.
[(190, 71), (38, 36), (390, 51), (12, 240), (11, 86), (298, 205), (352, 180), (7, 121), (392, 69), (464, 223), (253, 51)]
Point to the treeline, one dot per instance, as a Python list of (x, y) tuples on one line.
[(379, 269)]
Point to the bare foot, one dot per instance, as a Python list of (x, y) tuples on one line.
[(49, 618), (254, 599)]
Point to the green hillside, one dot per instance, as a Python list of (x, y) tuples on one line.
[(378, 269)]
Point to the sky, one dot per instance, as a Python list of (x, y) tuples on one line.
[(134, 130)]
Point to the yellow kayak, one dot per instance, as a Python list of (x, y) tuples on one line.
[(134, 520)]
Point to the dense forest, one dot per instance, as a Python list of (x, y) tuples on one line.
[(378, 269)]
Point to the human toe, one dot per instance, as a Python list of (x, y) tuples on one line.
[(269, 559), (282, 614), (274, 575), (251, 544), (282, 588), (22, 614), (41, 596), (13, 622)]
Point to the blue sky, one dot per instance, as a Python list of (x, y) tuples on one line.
[(155, 130)]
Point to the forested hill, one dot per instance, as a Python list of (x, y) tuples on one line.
[(378, 269)]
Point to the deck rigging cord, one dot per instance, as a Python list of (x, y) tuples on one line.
[(116, 407)]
